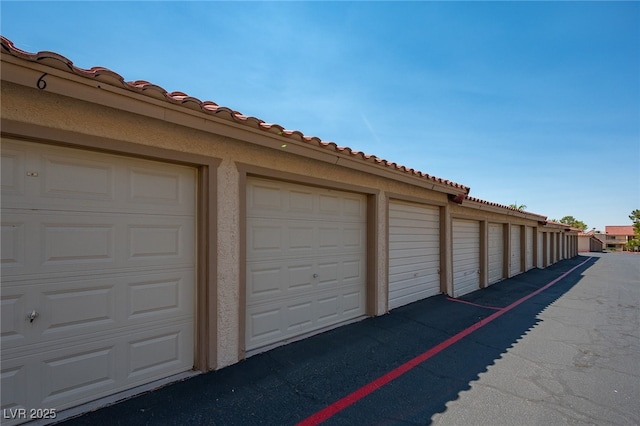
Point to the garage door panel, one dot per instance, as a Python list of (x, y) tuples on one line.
[(352, 237), (529, 248), (417, 257), (266, 199), (79, 373), (353, 270), (102, 248), (329, 237), (305, 256), (161, 188), (300, 238), (159, 240), (299, 316), (163, 243), (70, 243), (13, 170), (466, 256), (283, 319), (414, 252), (70, 375), (87, 307), (13, 379), (267, 238), (496, 253), (166, 296), (413, 215), (266, 281), (516, 247), (278, 238), (413, 277), (13, 243), (280, 200), (55, 178), (154, 353), (328, 310), (328, 204), (75, 242), (332, 273), (80, 178), (409, 286), (353, 207), (70, 311), (409, 239), (14, 324), (353, 302)]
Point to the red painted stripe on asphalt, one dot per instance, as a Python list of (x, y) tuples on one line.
[(369, 388), (451, 299)]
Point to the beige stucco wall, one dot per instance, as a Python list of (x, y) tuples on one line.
[(381, 255), (25, 103), (33, 106), (228, 309)]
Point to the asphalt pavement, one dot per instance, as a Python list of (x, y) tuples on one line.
[(559, 345)]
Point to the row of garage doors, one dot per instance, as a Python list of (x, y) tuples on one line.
[(307, 256), (99, 268)]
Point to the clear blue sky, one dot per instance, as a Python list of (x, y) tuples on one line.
[(534, 103)]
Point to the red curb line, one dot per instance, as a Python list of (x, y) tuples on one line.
[(451, 299), (369, 388)]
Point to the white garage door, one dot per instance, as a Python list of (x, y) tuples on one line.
[(529, 248), (516, 246), (306, 260), (496, 253), (99, 251), (414, 252), (466, 256)]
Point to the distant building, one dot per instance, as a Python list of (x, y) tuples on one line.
[(588, 241), (616, 237)]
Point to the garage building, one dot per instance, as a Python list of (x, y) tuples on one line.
[(147, 235)]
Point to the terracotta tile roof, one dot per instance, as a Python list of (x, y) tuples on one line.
[(560, 224), (619, 230), (110, 77), (502, 206)]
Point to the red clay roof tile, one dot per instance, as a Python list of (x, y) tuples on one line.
[(489, 203), (619, 230), (149, 89)]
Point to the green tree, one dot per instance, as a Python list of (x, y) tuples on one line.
[(518, 206), (572, 221), (635, 218), (633, 245)]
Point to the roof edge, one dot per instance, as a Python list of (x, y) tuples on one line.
[(478, 203), (109, 77)]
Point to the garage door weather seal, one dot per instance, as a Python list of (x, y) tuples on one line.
[(369, 388)]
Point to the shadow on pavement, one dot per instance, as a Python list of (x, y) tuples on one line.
[(290, 383)]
